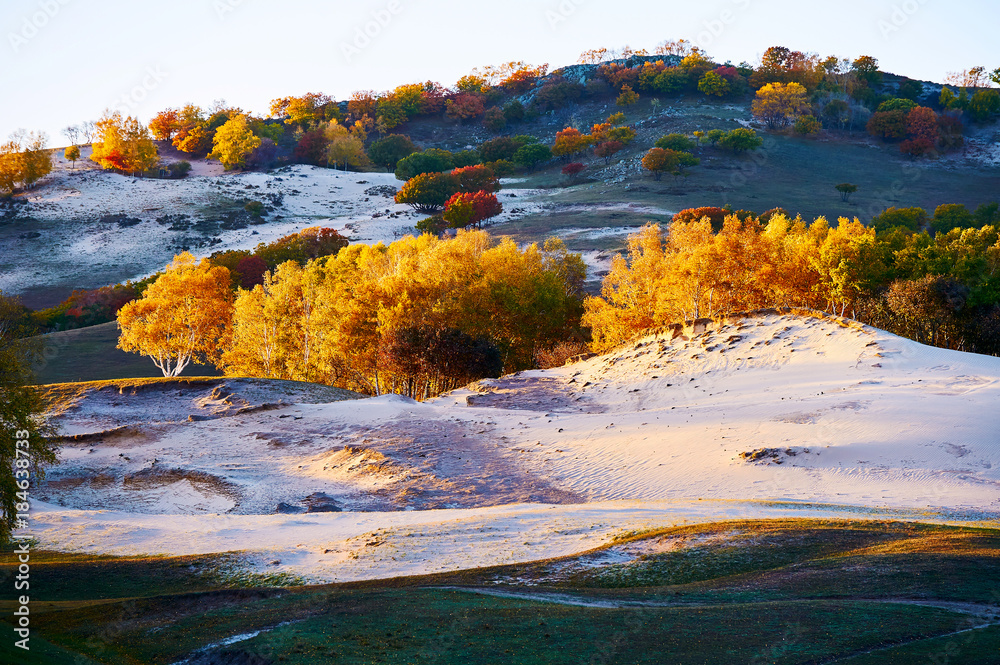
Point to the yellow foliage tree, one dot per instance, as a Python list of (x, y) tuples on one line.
[(691, 272), (344, 148), (777, 104), (333, 320), (233, 142), (24, 160), (123, 144), (183, 317)]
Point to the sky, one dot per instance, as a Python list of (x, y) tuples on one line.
[(65, 61)]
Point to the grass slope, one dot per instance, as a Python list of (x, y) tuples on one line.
[(799, 591)]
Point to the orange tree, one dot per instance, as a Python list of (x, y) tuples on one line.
[(570, 142), (182, 318), (659, 160)]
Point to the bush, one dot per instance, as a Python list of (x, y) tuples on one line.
[(739, 140), (435, 224), (432, 160), (513, 111), (387, 151), (888, 125), (897, 104), (911, 219), (255, 208), (715, 215), (495, 120), (179, 169), (428, 192), (573, 169), (465, 158), (503, 147), (676, 141), (502, 168), (531, 155), (806, 124)]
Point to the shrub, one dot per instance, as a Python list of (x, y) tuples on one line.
[(888, 125), (911, 219), (495, 120), (428, 192), (675, 141), (573, 169), (432, 160), (806, 124), (740, 139), (531, 155)]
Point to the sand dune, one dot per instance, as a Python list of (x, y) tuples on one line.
[(771, 415)]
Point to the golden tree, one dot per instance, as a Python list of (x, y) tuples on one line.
[(183, 317), (233, 142), (777, 104), (345, 148), (123, 144)]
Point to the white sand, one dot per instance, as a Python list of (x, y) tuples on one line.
[(543, 464)]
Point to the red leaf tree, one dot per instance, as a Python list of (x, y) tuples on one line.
[(476, 178), (465, 209)]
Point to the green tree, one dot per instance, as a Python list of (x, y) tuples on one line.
[(846, 189), (866, 69), (531, 155), (628, 97), (72, 153), (740, 140), (389, 150), (713, 84), (950, 216), (911, 219), (25, 448), (233, 142), (984, 105), (675, 141), (432, 160), (428, 192)]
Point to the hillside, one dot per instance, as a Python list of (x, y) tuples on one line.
[(773, 414), (80, 227)]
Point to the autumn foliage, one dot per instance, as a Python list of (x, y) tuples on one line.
[(692, 271), (183, 317), (414, 317), (467, 208)]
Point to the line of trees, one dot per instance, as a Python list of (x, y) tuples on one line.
[(419, 316), (942, 289)]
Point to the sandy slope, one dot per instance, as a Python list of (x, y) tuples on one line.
[(679, 426)]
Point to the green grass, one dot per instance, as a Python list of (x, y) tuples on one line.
[(90, 354), (771, 591)]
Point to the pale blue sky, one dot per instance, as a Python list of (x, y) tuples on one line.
[(64, 61)]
